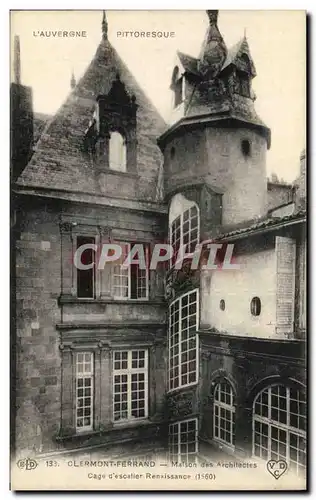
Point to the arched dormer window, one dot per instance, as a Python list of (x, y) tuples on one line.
[(184, 225), (117, 152)]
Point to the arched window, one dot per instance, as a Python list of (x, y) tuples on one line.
[(224, 414), (117, 152), (279, 426)]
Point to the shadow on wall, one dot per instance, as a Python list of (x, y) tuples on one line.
[(28, 430)]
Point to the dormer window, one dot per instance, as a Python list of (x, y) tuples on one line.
[(178, 92), (243, 75), (178, 84), (117, 152), (243, 84)]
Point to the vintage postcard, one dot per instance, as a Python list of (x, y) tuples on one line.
[(158, 238)]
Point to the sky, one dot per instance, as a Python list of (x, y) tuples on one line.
[(276, 40)]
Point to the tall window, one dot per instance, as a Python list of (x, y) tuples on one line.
[(86, 277), (183, 441), (117, 152), (130, 281), (130, 385), (279, 426), (84, 391), (183, 340), (184, 230), (224, 414)]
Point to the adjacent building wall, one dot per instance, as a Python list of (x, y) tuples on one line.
[(255, 278)]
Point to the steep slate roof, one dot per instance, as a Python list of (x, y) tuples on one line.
[(188, 62), (39, 122), (235, 51), (58, 161)]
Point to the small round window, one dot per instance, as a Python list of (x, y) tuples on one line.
[(245, 147), (255, 306), (172, 152), (222, 305)]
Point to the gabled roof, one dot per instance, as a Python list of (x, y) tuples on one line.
[(189, 63), (39, 122), (58, 161), (241, 47)]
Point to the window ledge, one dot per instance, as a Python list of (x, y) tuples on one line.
[(108, 300), (132, 175), (132, 423), (106, 430), (276, 337), (183, 388)]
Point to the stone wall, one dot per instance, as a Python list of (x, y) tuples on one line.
[(214, 155), (249, 365), (48, 327)]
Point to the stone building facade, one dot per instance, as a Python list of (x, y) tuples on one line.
[(181, 360)]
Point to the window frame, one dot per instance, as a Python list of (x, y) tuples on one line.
[(122, 153), (178, 444), (280, 426), (129, 372), (94, 273), (129, 274), (180, 218), (255, 306), (84, 375), (178, 344), (221, 405)]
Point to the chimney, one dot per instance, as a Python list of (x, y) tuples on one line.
[(21, 126), (301, 183)]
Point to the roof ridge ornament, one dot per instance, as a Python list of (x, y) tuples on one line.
[(73, 82), (104, 27), (212, 16), (214, 51)]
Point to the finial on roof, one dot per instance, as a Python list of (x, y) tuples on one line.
[(17, 60), (245, 32), (104, 27), (212, 16), (73, 80), (214, 51)]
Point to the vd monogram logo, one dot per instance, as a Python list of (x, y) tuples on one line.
[(276, 468), (27, 464)]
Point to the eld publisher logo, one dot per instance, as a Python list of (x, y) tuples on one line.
[(276, 468), (27, 464)]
